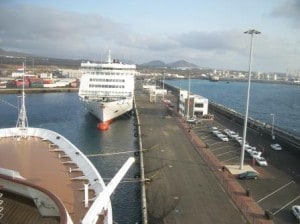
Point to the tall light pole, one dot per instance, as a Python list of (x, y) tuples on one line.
[(273, 119), (251, 32), (164, 86), (188, 100)]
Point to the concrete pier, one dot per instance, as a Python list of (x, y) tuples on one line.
[(183, 180)]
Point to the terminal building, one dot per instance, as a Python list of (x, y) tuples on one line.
[(191, 105)]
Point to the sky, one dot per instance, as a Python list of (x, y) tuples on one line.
[(208, 33)]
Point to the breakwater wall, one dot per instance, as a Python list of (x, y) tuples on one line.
[(285, 139)]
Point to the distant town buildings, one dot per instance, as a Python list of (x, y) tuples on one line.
[(223, 75)]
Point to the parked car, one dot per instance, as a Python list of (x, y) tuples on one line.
[(216, 132), (276, 147), (240, 141), (233, 135), (192, 120), (249, 148), (261, 161), (214, 129), (296, 211), (248, 175), (223, 137), (255, 154), (227, 131), (238, 138)]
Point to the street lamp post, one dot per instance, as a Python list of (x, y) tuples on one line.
[(163, 86), (273, 119), (251, 32), (188, 100)]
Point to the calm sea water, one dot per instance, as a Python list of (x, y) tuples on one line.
[(281, 100), (62, 112)]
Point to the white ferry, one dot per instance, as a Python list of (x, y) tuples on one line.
[(107, 89)]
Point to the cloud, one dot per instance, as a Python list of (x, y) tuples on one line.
[(212, 41), (290, 9), (38, 30), (152, 43), (64, 34)]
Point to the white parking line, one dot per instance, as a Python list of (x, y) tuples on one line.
[(215, 143), (275, 191), (286, 205), (228, 147), (215, 149), (230, 159), (221, 154)]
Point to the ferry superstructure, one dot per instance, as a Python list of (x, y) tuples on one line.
[(45, 179), (107, 89)]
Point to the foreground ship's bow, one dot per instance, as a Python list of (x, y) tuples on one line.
[(48, 177), (44, 178)]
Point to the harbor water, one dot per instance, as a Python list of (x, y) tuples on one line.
[(63, 113), (265, 99)]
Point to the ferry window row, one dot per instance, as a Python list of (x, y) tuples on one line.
[(96, 94), (107, 73), (106, 86), (106, 68), (113, 93), (107, 80)]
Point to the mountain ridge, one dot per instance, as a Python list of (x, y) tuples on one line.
[(176, 64), (179, 64)]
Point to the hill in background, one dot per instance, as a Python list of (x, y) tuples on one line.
[(181, 64), (12, 57)]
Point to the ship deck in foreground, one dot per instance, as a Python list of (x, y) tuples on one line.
[(44, 178), (39, 174)]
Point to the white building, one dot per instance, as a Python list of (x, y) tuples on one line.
[(157, 92), (198, 105), (20, 73), (46, 76), (149, 87), (71, 73)]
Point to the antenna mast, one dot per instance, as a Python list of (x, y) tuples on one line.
[(109, 58), (22, 123)]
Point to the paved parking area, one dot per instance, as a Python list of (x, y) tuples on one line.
[(277, 187)]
